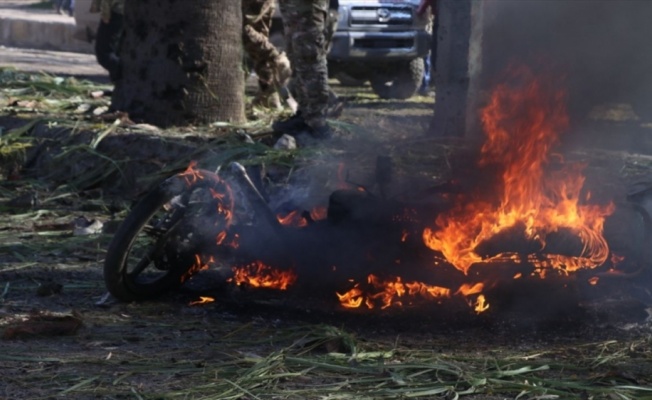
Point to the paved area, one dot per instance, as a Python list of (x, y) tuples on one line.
[(51, 62), (22, 24), (37, 39)]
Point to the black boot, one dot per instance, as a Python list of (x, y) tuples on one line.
[(294, 124)]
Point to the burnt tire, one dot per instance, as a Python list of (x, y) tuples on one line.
[(153, 251), (401, 85)]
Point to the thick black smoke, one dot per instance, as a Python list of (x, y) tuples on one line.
[(602, 47)]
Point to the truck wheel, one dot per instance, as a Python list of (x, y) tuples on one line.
[(403, 84), (348, 80)]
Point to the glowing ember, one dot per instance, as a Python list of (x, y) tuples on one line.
[(202, 300), (235, 243), (481, 304), (219, 239), (224, 204), (522, 125), (223, 197), (299, 220), (191, 174), (616, 259), (318, 213), (293, 218), (260, 275)]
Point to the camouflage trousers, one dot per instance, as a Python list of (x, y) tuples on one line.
[(305, 26), (257, 20)]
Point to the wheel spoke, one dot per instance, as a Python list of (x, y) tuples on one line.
[(156, 250), (143, 263)]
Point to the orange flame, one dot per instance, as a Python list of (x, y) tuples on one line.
[(191, 174), (260, 275), (389, 293), (219, 239), (481, 304), (293, 218), (353, 298), (318, 213), (224, 209), (467, 289), (296, 219), (199, 265), (394, 292), (522, 126), (202, 300)]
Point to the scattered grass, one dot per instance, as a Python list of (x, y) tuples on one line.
[(44, 94), (294, 362)]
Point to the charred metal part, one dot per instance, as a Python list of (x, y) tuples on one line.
[(644, 259), (306, 215), (255, 174), (360, 207), (255, 197)]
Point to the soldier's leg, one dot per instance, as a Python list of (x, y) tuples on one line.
[(271, 66), (289, 27), (305, 25)]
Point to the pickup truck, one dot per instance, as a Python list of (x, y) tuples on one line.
[(382, 41)]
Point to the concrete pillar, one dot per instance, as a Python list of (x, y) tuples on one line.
[(458, 68)]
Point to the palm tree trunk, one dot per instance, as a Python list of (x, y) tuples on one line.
[(182, 62)]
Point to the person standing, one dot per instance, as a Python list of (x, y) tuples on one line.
[(305, 26), (430, 59), (271, 66), (109, 35), (62, 6)]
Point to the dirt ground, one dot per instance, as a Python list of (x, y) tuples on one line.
[(64, 338)]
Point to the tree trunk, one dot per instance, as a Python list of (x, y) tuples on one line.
[(182, 62), (458, 66)]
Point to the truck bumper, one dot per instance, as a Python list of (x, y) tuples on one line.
[(353, 46)]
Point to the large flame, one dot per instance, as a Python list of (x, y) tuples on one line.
[(522, 123)]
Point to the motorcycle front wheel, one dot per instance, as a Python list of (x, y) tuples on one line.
[(156, 248)]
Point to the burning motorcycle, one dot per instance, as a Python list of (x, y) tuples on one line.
[(198, 219), (192, 221)]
